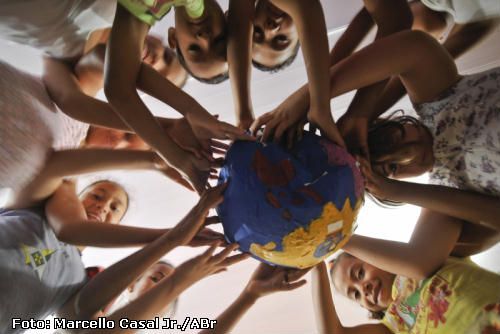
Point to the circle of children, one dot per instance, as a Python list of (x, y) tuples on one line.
[(427, 285)]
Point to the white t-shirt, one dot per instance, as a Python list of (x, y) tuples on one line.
[(56, 27), (466, 11)]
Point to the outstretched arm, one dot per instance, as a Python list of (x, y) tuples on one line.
[(67, 163), (412, 55), (310, 21), (431, 243), (265, 280), (390, 17), (94, 296), (70, 223), (327, 320), (240, 29), (470, 206)]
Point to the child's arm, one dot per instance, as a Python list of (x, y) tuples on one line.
[(61, 164), (470, 206), (124, 74), (103, 288), (327, 320), (431, 243), (239, 44), (390, 17), (66, 91), (265, 280), (68, 219), (311, 27)]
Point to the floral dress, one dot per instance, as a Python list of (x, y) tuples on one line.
[(460, 298), (465, 124)]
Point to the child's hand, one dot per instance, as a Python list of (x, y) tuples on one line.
[(175, 176), (286, 119), (355, 132), (245, 123), (378, 185), (324, 121), (188, 227), (206, 126), (198, 171), (181, 133), (207, 237), (267, 279), (207, 264)]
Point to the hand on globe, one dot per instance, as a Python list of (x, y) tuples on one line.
[(268, 279)]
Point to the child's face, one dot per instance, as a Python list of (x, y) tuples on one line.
[(105, 202), (365, 284), (202, 41), (149, 279), (275, 35), (98, 137), (412, 156)]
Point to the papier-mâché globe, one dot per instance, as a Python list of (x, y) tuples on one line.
[(292, 207)]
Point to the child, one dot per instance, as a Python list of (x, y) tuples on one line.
[(416, 58), (124, 73), (275, 42), (200, 42), (265, 280), (274, 38), (312, 34), (33, 259), (369, 103), (459, 298)]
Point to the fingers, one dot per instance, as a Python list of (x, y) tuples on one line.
[(218, 144), (332, 133), (199, 187), (269, 130), (183, 182), (259, 122), (233, 133), (212, 197), (212, 220), (234, 259), (294, 285), (280, 129), (295, 274), (224, 253), (210, 251)]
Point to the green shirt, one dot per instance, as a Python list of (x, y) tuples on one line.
[(150, 11)]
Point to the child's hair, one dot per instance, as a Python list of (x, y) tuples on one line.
[(333, 268), (278, 67), (217, 79), (381, 141)]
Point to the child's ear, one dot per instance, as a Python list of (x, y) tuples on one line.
[(172, 40)]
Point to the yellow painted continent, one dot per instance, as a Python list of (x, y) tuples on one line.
[(299, 245)]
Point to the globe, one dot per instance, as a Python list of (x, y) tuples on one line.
[(290, 207)]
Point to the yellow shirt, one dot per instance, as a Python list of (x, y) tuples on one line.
[(460, 298), (150, 11)]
